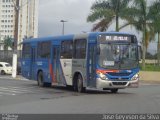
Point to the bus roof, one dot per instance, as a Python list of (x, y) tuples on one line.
[(68, 37), (48, 38), (113, 32)]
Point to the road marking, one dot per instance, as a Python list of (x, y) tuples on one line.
[(12, 91), (15, 89), (10, 78), (4, 93)]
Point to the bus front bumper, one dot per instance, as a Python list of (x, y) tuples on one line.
[(107, 84)]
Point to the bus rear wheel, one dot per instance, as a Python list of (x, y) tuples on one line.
[(79, 86), (114, 90), (40, 79)]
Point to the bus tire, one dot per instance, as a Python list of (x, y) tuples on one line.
[(114, 90), (79, 86), (40, 79), (3, 72)]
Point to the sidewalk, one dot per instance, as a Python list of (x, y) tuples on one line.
[(149, 77), (19, 77)]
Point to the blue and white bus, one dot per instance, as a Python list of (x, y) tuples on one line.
[(101, 60)]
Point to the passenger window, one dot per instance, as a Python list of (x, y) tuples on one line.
[(43, 50), (26, 51), (66, 49), (80, 48)]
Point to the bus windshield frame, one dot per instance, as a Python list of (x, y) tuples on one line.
[(118, 54)]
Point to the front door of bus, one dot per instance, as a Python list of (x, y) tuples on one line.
[(32, 67), (91, 67)]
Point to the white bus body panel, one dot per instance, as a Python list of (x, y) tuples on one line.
[(67, 70)]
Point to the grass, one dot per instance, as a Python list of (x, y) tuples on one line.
[(150, 67)]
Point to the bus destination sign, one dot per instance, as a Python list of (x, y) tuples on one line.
[(108, 38), (116, 38)]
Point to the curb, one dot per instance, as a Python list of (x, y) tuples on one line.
[(150, 81), (17, 78), (24, 79)]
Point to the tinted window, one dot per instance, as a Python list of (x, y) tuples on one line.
[(1, 65), (44, 50), (7, 65), (80, 48), (26, 51), (66, 50)]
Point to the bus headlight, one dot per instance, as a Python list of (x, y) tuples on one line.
[(103, 76), (135, 77)]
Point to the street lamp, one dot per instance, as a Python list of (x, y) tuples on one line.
[(63, 21)]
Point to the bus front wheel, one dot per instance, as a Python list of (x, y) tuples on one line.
[(40, 79), (114, 90)]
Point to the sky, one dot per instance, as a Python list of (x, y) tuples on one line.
[(75, 12)]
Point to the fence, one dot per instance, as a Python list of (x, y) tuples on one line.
[(6, 55), (148, 61)]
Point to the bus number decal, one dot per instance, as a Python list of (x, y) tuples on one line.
[(39, 63)]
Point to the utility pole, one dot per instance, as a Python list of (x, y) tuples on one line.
[(63, 21), (14, 62)]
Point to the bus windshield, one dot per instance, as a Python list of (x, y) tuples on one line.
[(118, 56)]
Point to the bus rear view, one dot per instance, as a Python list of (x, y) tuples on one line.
[(118, 62)]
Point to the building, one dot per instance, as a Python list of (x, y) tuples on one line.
[(28, 19)]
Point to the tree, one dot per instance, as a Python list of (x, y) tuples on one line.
[(8, 43), (137, 13), (139, 16), (106, 11), (155, 18)]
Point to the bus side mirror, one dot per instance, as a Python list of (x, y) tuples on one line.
[(139, 53)]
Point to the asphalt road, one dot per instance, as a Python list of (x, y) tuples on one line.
[(21, 96)]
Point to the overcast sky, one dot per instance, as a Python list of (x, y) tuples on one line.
[(75, 12)]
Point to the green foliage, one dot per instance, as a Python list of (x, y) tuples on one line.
[(105, 12), (136, 12), (154, 12), (155, 18), (150, 67), (8, 43), (141, 17)]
